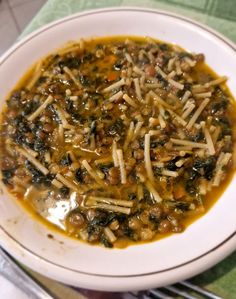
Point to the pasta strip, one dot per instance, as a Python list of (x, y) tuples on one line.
[(188, 111), (147, 159), (138, 71), (177, 117), (171, 74), (140, 192), (108, 207), (56, 183), (161, 121), (117, 202), (67, 183), (103, 160), (34, 161), (137, 129), (171, 63), (158, 164), (37, 112), (186, 96), (176, 84), (202, 95), (68, 50), (71, 75), (160, 71), (61, 132), (222, 161), (137, 89), (47, 157), (217, 81), (159, 100), (130, 101), (109, 234), (36, 76), (114, 85), (166, 172), (114, 154), (129, 136), (129, 58), (122, 166), (197, 113), (31, 152), (209, 142), (62, 115), (198, 88), (190, 62), (92, 172), (188, 143), (116, 96), (153, 191)]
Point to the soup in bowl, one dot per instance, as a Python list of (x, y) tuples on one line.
[(118, 140)]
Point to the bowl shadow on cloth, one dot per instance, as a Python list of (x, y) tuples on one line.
[(220, 273)]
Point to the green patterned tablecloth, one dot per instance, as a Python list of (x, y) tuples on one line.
[(218, 14)]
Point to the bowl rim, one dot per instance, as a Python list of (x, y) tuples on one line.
[(229, 243), (52, 24)]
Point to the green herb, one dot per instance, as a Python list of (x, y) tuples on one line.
[(66, 160)]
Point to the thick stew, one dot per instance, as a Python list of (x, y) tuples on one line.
[(118, 140)]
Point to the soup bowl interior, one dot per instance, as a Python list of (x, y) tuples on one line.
[(202, 244)]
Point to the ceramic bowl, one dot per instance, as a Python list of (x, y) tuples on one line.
[(203, 244)]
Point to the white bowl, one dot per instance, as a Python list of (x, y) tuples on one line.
[(204, 243)]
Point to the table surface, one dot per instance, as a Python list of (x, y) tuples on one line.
[(218, 14)]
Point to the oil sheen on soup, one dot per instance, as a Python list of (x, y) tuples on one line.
[(118, 140)]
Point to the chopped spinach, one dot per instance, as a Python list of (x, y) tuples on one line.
[(15, 100), (132, 196), (93, 127), (118, 65), (105, 168), (164, 47), (198, 137), (161, 79), (88, 57), (55, 116), (79, 175), (157, 171), (103, 219), (30, 107), (117, 128), (70, 62), (185, 54), (40, 145), (66, 160), (19, 138), (226, 127), (154, 218), (64, 191), (93, 229), (182, 205), (128, 232), (190, 187), (105, 242), (7, 174), (84, 80), (219, 106), (171, 165), (37, 177), (208, 166)]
